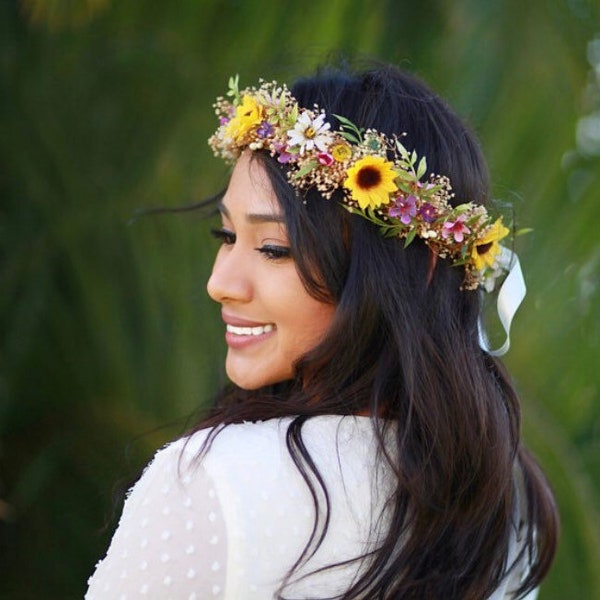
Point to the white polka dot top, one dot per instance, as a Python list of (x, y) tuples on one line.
[(230, 526)]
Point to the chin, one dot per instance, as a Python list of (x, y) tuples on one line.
[(251, 382)]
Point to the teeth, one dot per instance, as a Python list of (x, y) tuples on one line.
[(249, 330)]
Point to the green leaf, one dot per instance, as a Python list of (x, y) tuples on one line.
[(307, 168), (348, 127), (233, 88), (410, 236), (346, 122), (422, 168), (523, 231), (461, 208), (403, 151), (350, 137), (404, 175)]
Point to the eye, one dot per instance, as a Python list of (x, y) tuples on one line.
[(224, 236), (273, 252)]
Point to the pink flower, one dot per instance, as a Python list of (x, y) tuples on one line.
[(405, 208), (456, 228), (325, 159)]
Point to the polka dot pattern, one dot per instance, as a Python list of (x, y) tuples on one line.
[(170, 534), (230, 526)]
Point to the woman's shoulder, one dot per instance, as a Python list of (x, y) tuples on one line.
[(252, 443), (230, 439), (259, 450), (252, 460)]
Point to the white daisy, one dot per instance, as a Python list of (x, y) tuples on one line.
[(309, 133)]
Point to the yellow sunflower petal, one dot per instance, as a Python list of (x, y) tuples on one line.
[(487, 248), (248, 115)]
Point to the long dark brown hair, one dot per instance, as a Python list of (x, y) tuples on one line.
[(403, 345)]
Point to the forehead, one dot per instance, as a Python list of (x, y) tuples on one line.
[(250, 190)]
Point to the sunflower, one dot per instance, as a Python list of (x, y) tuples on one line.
[(248, 115), (371, 181), (487, 248)]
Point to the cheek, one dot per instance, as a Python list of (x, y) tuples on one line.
[(308, 325), (304, 319)]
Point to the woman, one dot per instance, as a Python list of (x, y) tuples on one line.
[(368, 446)]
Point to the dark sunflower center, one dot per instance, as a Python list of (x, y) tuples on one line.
[(368, 177), (483, 248)]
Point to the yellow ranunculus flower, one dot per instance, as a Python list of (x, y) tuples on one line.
[(371, 181), (487, 248), (248, 115), (341, 152)]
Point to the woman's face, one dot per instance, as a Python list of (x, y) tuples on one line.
[(270, 318)]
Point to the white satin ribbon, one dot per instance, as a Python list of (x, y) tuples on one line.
[(510, 296)]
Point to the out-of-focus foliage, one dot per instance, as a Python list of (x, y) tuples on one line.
[(108, 343)]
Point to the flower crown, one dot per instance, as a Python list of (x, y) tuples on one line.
[(380, 179)]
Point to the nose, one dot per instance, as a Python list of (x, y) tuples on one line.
[(230, 278)]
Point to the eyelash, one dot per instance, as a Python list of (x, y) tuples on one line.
[(224, 236), (269, 251)]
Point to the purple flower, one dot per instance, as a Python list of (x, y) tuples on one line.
[(405, 208), (223, 120), (325, 159), (265, 129), (456, 228), (428, 212), (284, 156)]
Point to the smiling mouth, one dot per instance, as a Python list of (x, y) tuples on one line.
[(250, 330)]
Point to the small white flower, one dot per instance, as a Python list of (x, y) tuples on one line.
[(489, 279), (310, 133)]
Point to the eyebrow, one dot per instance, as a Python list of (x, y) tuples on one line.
[(255, 218)]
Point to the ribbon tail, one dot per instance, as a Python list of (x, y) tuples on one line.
[(510, 296)]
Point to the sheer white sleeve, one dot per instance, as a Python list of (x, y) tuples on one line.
[(171, 539)]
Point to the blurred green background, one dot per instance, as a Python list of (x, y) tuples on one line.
[(108, 341)]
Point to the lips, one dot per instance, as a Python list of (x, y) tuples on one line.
[(241, 332)]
